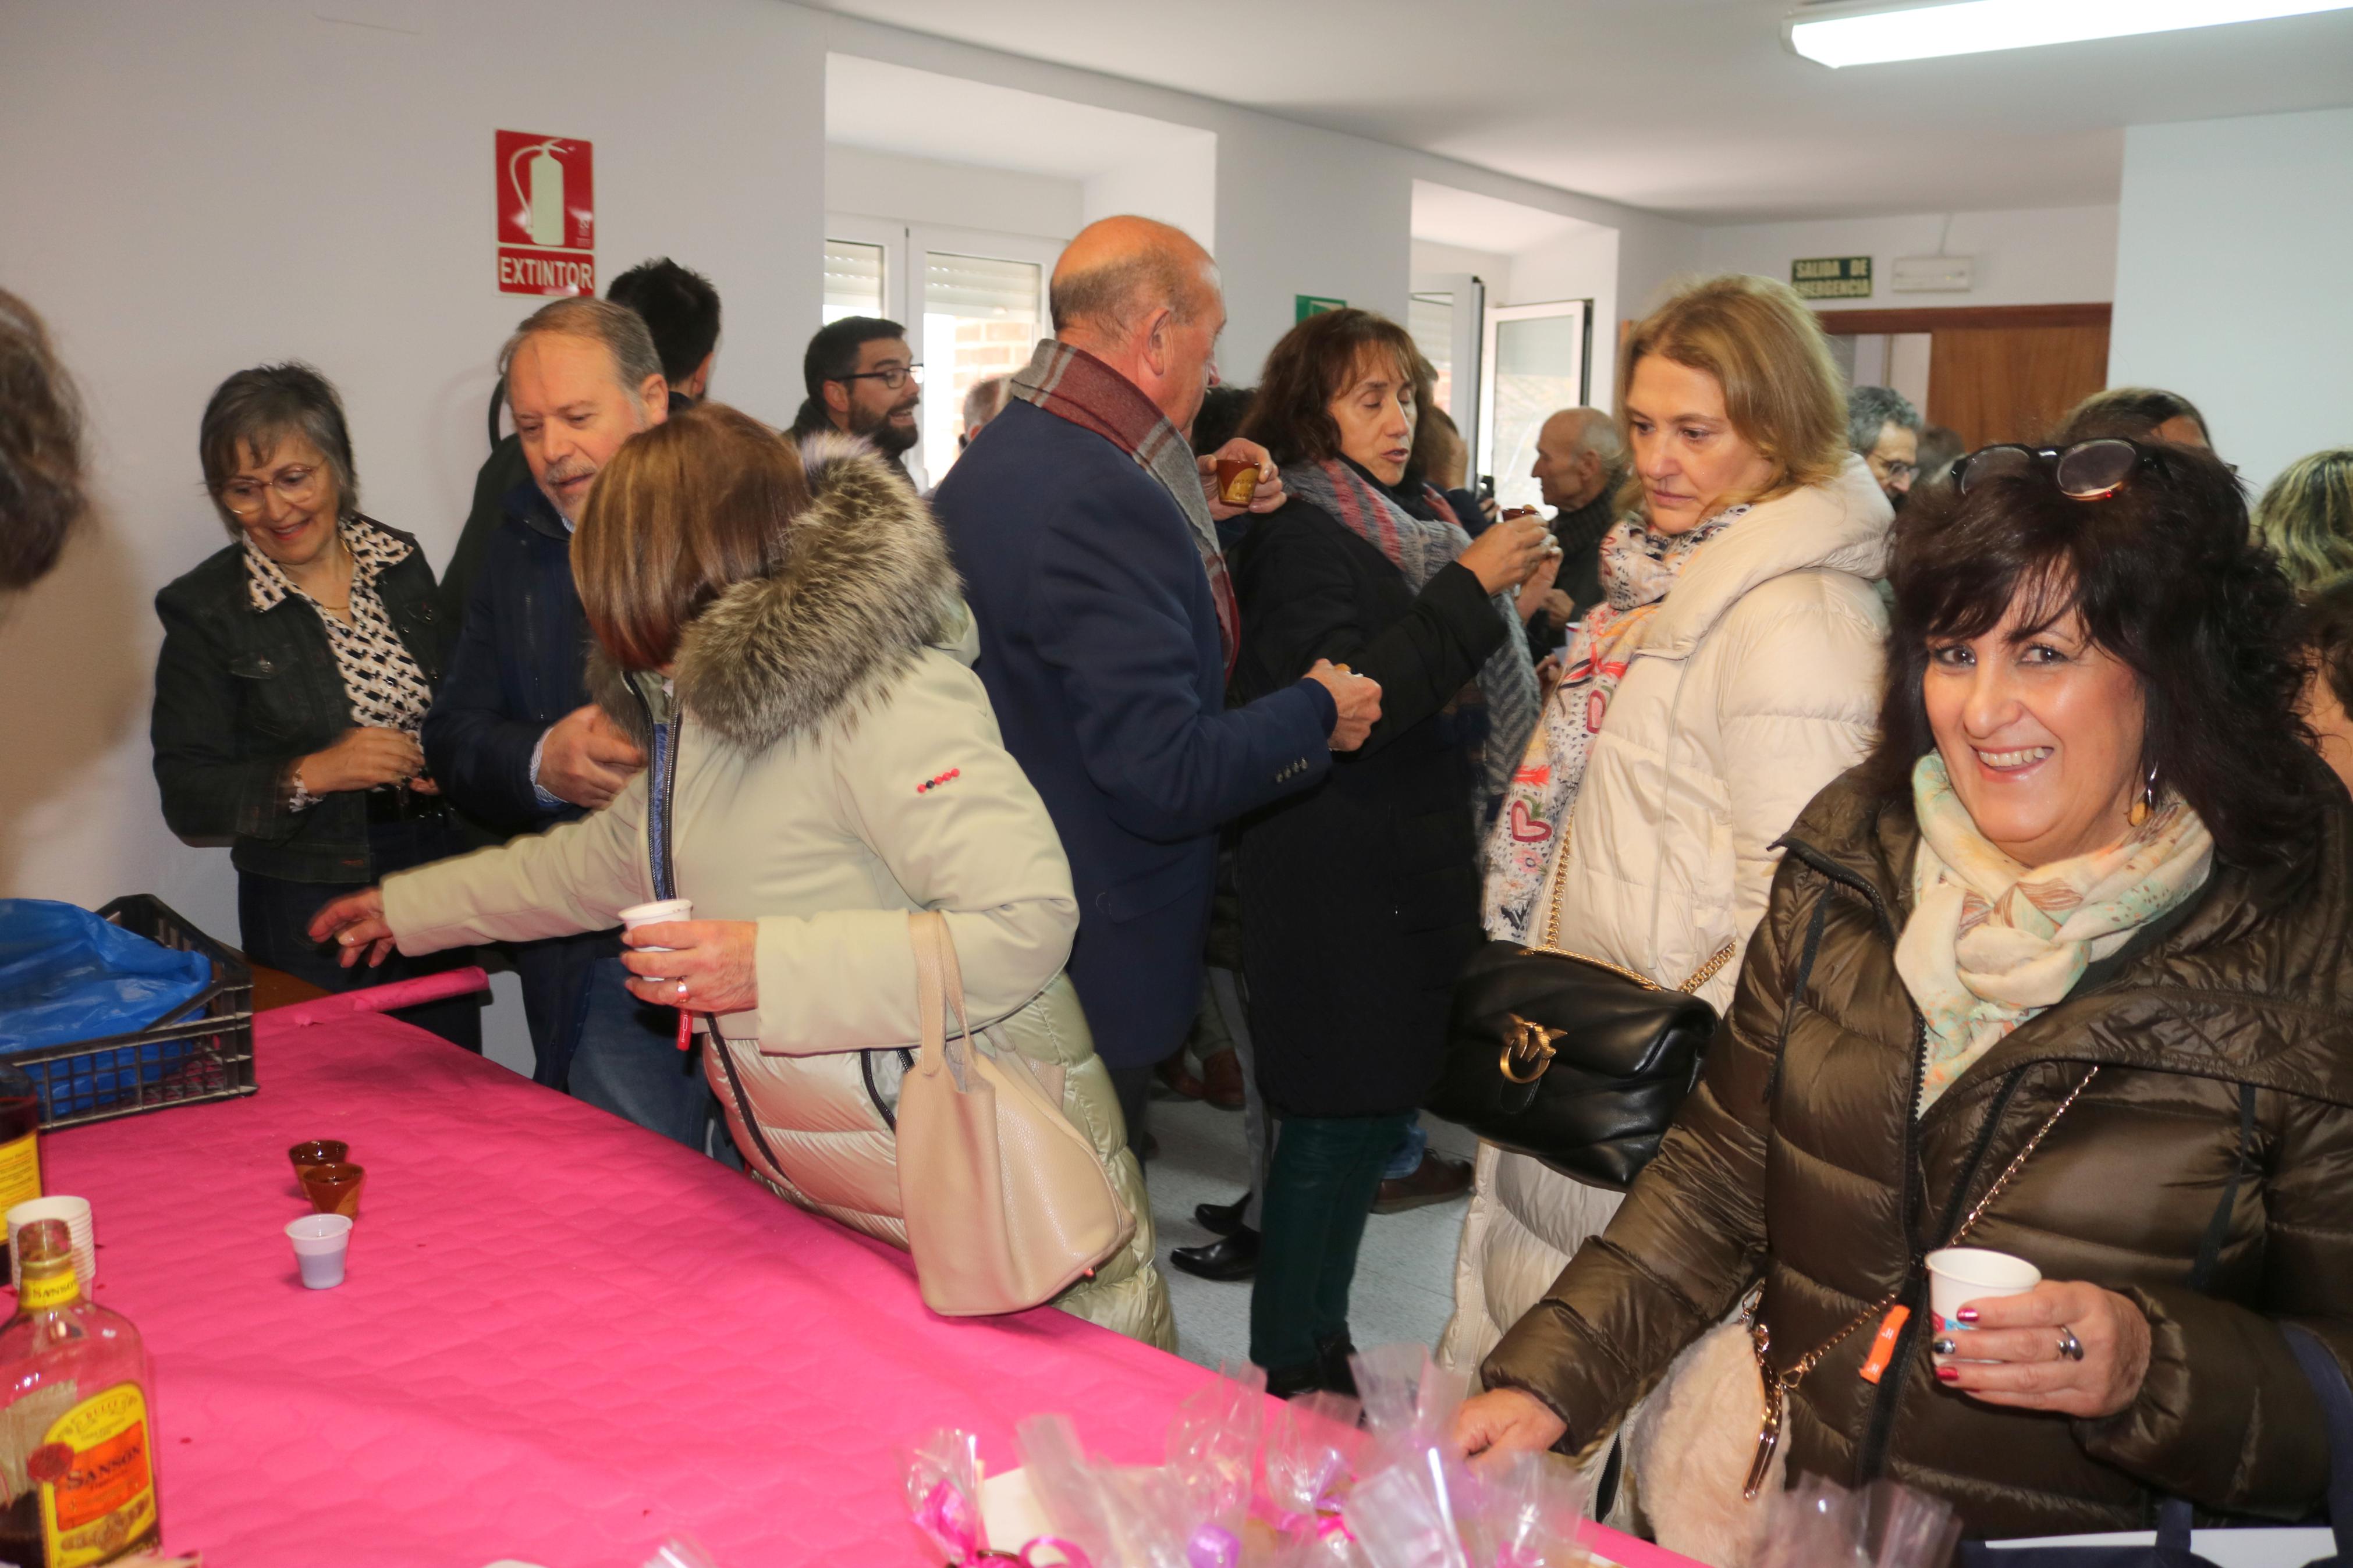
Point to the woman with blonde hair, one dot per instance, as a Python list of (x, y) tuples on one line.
[(1732, 672), (784, 633), (2307, 519)]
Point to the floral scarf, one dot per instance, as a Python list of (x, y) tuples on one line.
[(1639, 568), (1419, 548), (1990, 943)]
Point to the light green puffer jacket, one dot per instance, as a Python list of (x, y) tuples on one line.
[(839, 767)]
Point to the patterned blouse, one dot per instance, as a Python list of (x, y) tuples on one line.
[(386, 688)]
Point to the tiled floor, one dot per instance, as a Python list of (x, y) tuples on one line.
[(1405, 1274)]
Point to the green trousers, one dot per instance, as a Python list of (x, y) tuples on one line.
[(1319, 1192)]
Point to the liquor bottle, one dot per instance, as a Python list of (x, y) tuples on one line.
[(76, 1434), (20, 1149)]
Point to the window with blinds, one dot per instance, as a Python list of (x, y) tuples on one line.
[(980, 319), (853, 279)]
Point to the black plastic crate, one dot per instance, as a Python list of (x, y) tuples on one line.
[(202, 1050)]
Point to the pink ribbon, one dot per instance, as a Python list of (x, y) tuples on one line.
[(948, 1517)]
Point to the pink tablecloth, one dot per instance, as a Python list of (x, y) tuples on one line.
[(561, 1339)]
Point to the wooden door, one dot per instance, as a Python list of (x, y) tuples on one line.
[(2000, 373)]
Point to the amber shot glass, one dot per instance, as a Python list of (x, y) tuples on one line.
[(1236, 481), (335, 1188), (318, 1151)]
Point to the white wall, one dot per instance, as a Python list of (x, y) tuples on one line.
[(195, 189), (1490, 266), (1176, 184), (2045, 256), (955, 195), (2232, 280)]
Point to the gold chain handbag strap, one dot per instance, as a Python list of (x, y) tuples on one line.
[(1705, 972), (1778, 1384)]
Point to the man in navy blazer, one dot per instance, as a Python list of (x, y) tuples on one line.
[(1103, 643)]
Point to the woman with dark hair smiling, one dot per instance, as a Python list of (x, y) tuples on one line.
[(1360, 897), (2060, 972), (297, 666)]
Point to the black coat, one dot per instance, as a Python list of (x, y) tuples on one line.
[(1360, 897), (521, 663), (242, 694)]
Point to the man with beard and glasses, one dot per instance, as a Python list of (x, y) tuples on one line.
[(513, 737), (863, 380)]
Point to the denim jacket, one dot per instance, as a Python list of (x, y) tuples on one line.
[(242, 694)]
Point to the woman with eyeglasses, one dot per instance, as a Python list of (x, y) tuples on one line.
[(2060, 972), (296, 665)]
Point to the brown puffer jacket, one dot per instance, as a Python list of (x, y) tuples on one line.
[(1796, 1159)]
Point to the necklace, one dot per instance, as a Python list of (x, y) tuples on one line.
[(348, 570)]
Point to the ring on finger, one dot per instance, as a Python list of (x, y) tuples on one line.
[(2070, 1347)]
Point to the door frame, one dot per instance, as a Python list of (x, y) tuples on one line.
[(1959, 318), (1469, 291), (1482, 460)]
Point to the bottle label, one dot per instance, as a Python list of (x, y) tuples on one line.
[(20, 1171), (97, 1484), (53, 1289)]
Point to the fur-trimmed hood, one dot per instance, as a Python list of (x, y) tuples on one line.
[(866, 584)]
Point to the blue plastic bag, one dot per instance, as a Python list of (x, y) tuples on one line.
[(68, 976)]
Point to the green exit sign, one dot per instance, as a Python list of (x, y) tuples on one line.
[(1308, 305), (1831, 278)]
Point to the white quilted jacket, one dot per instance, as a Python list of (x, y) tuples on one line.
[(1757, 684), (840, 766)]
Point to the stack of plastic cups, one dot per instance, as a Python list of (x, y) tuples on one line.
[(75, 1211)]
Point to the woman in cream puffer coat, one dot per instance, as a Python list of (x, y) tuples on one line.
[(838, 767), (1754, 683)]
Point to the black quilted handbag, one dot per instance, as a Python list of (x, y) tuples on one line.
[(1568, 1059)]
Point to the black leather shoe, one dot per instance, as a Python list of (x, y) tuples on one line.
[(1233, 1257), (1332, 1364), (1221, 1219), (1290, 1382)]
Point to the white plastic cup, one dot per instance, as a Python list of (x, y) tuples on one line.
[(1959, 1275), (659, 912), (75, 1211), (321, 1242)]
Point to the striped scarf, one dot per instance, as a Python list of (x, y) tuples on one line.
[(1419, 548), (1071, 384)]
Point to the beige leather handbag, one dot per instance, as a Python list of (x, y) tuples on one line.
[(1006, 1204)]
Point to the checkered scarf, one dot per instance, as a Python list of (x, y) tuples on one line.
[(1071, 384)]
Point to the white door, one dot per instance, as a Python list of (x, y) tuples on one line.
[(1532, 364), (1448, 314)]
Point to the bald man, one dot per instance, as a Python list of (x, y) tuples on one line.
[(1089, 549), (1579, 464)]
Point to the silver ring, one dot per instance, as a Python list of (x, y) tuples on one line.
[(2070, 1346), (681, 996)]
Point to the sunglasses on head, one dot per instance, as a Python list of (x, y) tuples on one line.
[(2088, 470)]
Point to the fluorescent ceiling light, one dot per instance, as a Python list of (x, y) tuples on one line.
[(1875, 31)]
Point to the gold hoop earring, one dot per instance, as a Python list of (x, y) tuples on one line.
[(2147, 803)]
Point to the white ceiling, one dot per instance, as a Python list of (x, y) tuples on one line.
[(922, 114), (1476, 222), (1687, 107)]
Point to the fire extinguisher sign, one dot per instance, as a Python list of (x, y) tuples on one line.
[(547, 214)]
